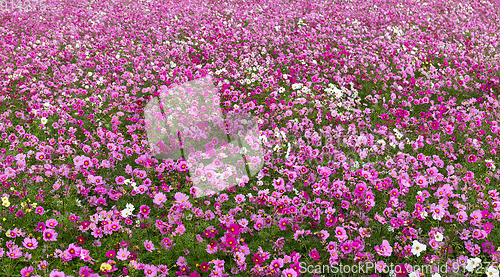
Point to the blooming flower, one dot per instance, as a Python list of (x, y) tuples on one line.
[(149, 245), (144, 210), (111, 254), (417, 248), (49, 235), (438, 236), (57, 273), (160, 198), (492, 272), (122, 254), (26, 272), (30, 243), (385, 249), (472, 264), (51, 223)]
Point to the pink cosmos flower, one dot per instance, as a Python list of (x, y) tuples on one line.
[(180, 197), (43, 265), (150, 270), (239, 198), (122, 254), (51, 223), (421, 181), (30, 243), (74, 250), (160, 198), (234, 228), (57, 273), (314, 254), (111, 254), (438, 211), (385, 249), (283, 223), (289, 273), (39, 210), (14, 253), (149, 245), (144, 210), (230, 241), (435, 125), (26, 272), (97, 233), (49, 235), (472, 159), (340, 233), (276, 264), (120, 180), (40, 156)]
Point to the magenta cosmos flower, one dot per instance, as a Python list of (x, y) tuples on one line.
[(51, 223), (111, 254), (49, 235), (234, 228), (145, 210), (150, 270), (340, 233), (25, 272), (472, 159), (39, 210)]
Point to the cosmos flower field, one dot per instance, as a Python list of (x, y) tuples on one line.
[(373, 138)]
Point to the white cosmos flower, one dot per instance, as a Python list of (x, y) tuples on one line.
[(438, 236), (44, 120), (126, 213), (130, 206), (338, 92), (492, 272), (417, 248), (472, 264)]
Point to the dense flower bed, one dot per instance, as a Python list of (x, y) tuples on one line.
[(377, 139)]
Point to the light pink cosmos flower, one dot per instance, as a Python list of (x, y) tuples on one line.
[(160, 198), (97, 233), (57, 273), (289, 273), (14, 253), (340, 233), (438, 211), (181, 198), (149, 245), (30, 243), (122, 254), (239, 198), (385, 249), (150, 270), (40, 156)]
